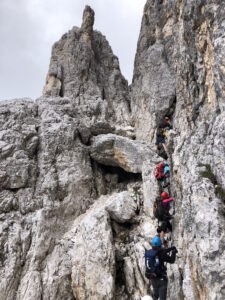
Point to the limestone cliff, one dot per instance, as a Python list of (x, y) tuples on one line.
[(77, 180), (179, 70)]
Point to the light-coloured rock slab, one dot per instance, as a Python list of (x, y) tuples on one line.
[(113, 150)]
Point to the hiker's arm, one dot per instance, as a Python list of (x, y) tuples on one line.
[(168, 200)]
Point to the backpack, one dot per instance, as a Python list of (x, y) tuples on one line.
[(158, 209), (166, 171), (165, 134), (152, 264), (159, 171)]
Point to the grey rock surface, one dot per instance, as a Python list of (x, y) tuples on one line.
[(41, 187), (94, 79), (77, 182), (99, 245), (188, 37), (153, 93), (120, 151), (122, 208)]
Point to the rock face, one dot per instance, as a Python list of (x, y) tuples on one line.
[(84, 67), (114, 150), (77, 182), (180, 57), (153, 92)]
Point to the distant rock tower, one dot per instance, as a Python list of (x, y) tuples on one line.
[(83, 66)]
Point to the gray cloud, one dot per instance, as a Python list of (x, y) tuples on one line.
[(28, 29)]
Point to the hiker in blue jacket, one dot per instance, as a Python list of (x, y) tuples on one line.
[(156, 271), (166, 175)]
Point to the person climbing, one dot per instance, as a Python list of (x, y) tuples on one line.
[(166, 174), (160, 138), (165, 126), (161, 211), (159, 171), (165, 227), (166, 204), (161, 207), (162, 174), (161, 144), (166, 171), (156, 271)]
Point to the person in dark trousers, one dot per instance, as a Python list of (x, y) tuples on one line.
[(165, 227), (161, 144), (165, 126), (160, 280)]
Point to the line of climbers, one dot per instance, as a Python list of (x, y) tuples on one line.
[(155, 258)]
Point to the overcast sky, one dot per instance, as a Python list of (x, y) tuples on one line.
[(28, 29)]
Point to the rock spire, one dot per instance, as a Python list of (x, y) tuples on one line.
[(87, 25), (84, 68)]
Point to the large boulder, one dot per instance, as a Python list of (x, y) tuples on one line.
[(113, 150), (122, 207)]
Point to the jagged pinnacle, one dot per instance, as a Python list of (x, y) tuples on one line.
[(88, 20)]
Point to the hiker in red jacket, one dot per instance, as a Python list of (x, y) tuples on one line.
[(162, 174), (166, 227), (159, 171), (166, 202)]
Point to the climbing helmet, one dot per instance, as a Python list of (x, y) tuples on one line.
[(156, 241), (164, 195)]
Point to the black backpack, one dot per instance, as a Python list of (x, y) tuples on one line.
[(152, 264), (158, 209)]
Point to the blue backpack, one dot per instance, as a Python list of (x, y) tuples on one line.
[(152, 264)]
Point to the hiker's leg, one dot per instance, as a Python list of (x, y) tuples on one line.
[(161, 184), (166, 181), (163, 230), (162, 235), (163, 288), (155, 284), (149, 290), (160, 188)]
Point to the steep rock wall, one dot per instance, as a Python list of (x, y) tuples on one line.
[(181, 46), (47, 175)]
